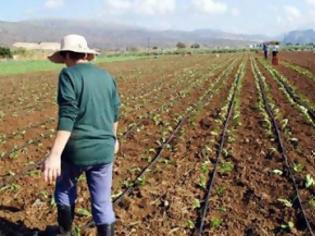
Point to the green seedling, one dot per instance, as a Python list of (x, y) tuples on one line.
[(220, 191), (196, 203), (289, 226), (165, 161), (14, 154), (34, 173), (116, 195), (297, 167), (202, 182), (83, 212), (214, 133), (127, 183), (76, 231), (190, 224), (222, 209), (285, 202), (135, 170), (10, 173), (44, 194), (309, 181), (311, 202), (205, 167), (294, 141), (215, 223), (226, 167), (225, 152), (52, 202), (140, 181), (277, 172), (10, 187)]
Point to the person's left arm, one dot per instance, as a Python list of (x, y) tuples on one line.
[(68, 111)]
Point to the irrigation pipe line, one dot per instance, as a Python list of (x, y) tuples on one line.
[(38, 164), (283, 151), (204, 209), (162, 147)]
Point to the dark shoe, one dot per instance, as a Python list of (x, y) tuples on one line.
[(65, 218), (105, 230), (55, 231)]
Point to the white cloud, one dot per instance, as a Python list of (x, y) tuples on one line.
[(146, 7), (54, 3), (118, 5), (152, 7), (235, 12), (292, 18), (210, 6), (292, 13), (311, 2)]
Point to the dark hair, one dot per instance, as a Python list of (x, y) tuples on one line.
[(73, 55)]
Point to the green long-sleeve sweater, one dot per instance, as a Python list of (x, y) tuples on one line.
[(88, 107)]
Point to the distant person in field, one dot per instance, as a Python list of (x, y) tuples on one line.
[(265, 49), (86, 138), (275, 51)]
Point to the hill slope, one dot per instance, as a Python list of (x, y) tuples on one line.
[(105, 35)]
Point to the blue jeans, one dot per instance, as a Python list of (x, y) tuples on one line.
[(99, 180)]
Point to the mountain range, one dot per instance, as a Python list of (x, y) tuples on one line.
[(111, 35), (300, 37), (104, 35)]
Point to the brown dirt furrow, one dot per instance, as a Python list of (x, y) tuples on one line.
[(304, 59), (246, 199), (301, 150), (26, 198), (304, 85), (164, 203)]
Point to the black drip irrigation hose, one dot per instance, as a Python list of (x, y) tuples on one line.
[(144, 170), (38, 164), (47, 134), (33, 126), (161, 148), (132, 128), (283, 152), (296, 98), (204, 208)]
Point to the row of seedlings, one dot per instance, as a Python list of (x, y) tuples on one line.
[(166, 146), (43, 194), (297, 99), (297, 216)]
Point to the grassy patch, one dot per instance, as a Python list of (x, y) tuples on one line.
[(11, 67)]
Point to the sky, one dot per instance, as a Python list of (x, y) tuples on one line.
[(268, 17)]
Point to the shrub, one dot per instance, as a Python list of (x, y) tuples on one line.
[(180, 45), (5, 52), (195, 45)]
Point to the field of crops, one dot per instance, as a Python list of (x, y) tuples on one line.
[(210, 144)]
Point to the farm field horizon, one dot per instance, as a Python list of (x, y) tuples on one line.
[(212, 144)]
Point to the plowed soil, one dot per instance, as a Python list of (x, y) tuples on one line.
[(244, 200)]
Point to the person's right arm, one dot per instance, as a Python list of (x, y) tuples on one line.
[(116, 108), (115, 127)]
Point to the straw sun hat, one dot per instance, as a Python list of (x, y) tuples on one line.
[(73, 43)]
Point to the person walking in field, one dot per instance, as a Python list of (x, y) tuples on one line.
[(275, 51), (86, 139), (265, 49)]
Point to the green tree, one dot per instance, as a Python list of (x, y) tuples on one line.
[(180, 45), (195, 45), (5, 52)]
